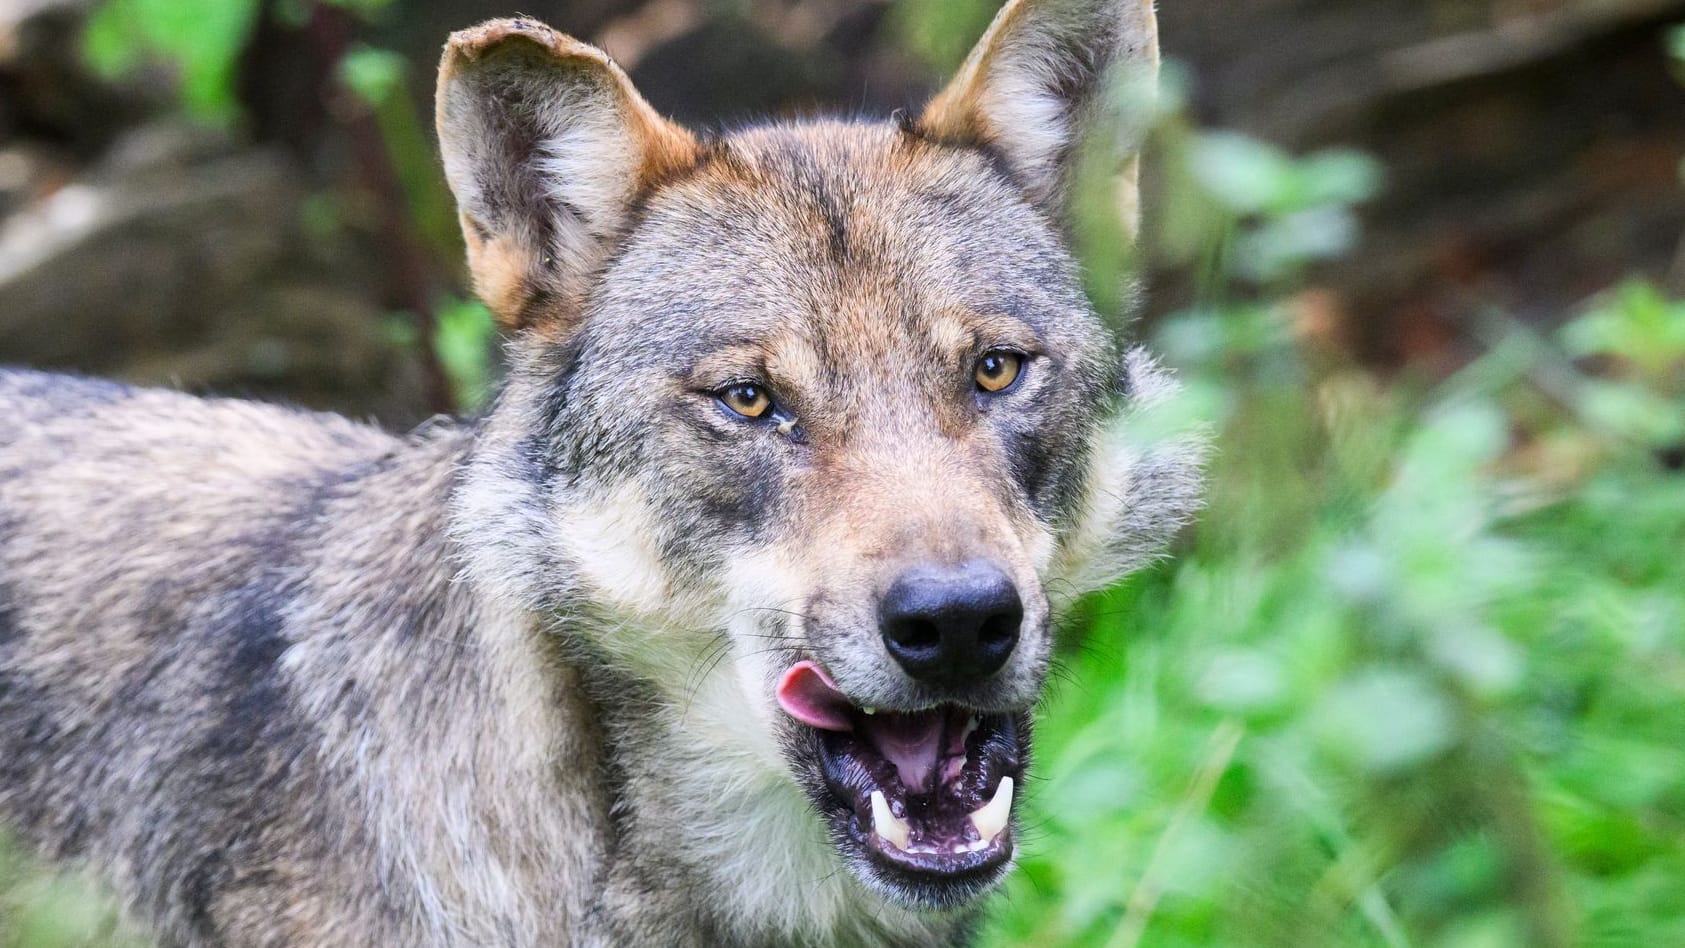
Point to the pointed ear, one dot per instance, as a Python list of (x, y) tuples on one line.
[(546, 146), (1035, 82)]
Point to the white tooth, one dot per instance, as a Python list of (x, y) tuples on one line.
[(870, 710), (887, 824), (991, 818), (971, 724)]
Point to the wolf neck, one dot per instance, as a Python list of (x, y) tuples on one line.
[(696, 834), (710, 840), (444, 729), (711, 837)]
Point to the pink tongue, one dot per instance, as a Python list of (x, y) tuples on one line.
[(912, 742), (809, 695)]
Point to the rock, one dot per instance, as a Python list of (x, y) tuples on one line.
[(180, 260)]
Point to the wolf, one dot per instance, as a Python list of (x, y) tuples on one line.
[(723, 626)]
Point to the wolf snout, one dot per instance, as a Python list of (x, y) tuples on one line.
[(951, 625)]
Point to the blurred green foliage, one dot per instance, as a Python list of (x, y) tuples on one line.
[(201, 38), (1416, 678), (941, 32), (39, 911), (378, 79), (464, 338), (200, 41), (1456, 684)]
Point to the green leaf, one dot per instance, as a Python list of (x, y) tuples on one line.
[(374, 75), (463, 339), (202, 39), (1386, 720), (1676, 42), (1245, 174)]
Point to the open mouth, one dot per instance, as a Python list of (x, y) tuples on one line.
[(926, 795)]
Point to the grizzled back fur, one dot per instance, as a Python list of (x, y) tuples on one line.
[(287, 680)]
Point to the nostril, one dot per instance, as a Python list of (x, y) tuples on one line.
[(913, 633), (1000, 627), (951, 624), (999, 636)]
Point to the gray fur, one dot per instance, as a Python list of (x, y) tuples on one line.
[(282, 679)]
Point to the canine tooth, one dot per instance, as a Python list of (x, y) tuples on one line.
[(991, 817), (869, 710), (971, 724), (886, 824)]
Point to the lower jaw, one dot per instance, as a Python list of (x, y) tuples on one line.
[(944, 867), (903, 881)]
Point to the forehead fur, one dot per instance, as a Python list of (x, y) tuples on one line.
[(849, 235)]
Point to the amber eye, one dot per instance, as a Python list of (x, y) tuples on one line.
[(997, 370), (746, 399)]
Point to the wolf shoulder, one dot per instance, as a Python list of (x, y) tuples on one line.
[(52, 417), (111, 493)]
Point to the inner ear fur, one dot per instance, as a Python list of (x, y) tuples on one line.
[(547, 146), (1038, 83)]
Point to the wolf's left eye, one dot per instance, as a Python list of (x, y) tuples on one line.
[(746, 399), (998, 369)]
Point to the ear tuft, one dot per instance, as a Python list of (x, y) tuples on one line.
[(546, 146), (1036, 80)]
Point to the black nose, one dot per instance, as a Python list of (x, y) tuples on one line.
[(951, 625)]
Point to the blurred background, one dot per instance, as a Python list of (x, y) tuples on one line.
[(1417, 676)]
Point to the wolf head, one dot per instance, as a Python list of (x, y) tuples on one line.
[(815, 418)]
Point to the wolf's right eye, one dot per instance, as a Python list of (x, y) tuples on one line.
[(998, 370), (746, 399)]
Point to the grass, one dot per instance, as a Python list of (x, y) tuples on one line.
[(1416, 679)]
